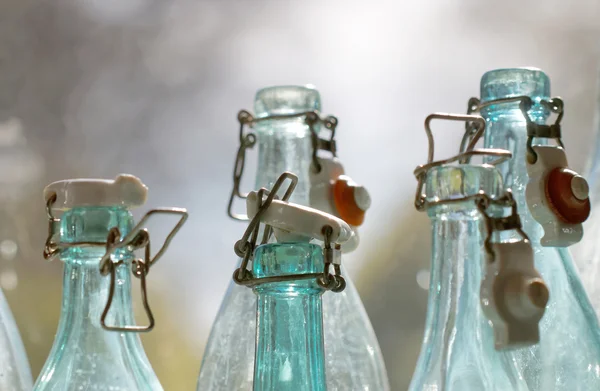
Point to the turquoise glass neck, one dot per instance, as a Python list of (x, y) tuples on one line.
[(506, 126), (569, 324), (284, 144), (458, 353), (289, 319), (84, 355)]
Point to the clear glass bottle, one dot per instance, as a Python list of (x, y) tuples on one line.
[(85, 356), (289, 338), (587, 252), (458, 347), (568, 355), (15, 374), (353, 358)]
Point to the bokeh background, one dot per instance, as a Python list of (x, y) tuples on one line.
[(92, 88)]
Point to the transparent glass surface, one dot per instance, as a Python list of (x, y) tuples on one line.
[(289, 318), (20, 167), (458, 352), (15, 374), (84, 355), (353, 358), (587, 252), (568, 355)]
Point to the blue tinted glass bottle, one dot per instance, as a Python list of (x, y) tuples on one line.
[(285, 145), (85, 356), (458, 347), (568, 355), (289, 337), (15, 374), (587, 252)]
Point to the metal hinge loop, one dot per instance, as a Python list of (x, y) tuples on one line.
[(137, 238), (247, 244), (248, 141)]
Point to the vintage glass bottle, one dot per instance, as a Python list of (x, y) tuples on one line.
[(458, 352), (285, 145), (289, 337), (568, 355), (85, 356), (15, 374), (587, 252)]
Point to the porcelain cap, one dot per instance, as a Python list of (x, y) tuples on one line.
[(125, 190)]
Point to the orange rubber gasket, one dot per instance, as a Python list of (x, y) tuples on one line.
[(343, 198), (568, 208)]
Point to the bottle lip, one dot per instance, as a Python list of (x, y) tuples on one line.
[(286, 99), (281, 259), (512, 82), (463, 180)]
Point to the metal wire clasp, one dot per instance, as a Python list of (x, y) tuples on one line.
[(245, 247), (497, 224), (464, 155), (137, 238), (248, 140), (51, 248), (552, 131)]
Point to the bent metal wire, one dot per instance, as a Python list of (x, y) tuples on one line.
[(248, 140), (463, 157), (482, 200), (553, 131), (245, 247), (137, 238)]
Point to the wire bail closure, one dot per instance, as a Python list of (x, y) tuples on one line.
[(464, 156), (245, 247), (137, 238), (248, 141), (534, 129), (513, 294)]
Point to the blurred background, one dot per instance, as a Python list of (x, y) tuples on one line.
[(92, 88)]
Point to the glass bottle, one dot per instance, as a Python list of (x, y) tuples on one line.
[(587, 252), (284, 144), (289, 337), (568, 355), (458, 347), (289, 278), (86, 356), (15, 374)]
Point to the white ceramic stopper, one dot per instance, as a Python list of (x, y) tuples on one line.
[(125, 190)]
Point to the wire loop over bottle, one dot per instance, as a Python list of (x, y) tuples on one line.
[(137, 239), (247, 244), (464, 155), (513, 294), (248, 141), (526, 104)]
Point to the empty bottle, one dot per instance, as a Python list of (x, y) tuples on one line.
[(282, 129), (97, 346)]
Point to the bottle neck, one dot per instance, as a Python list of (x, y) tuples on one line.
[(284, 145), (85, 292), (456, 273), (85, 289), (507, 129), (83, 351), (458, 345), (289, 332)]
